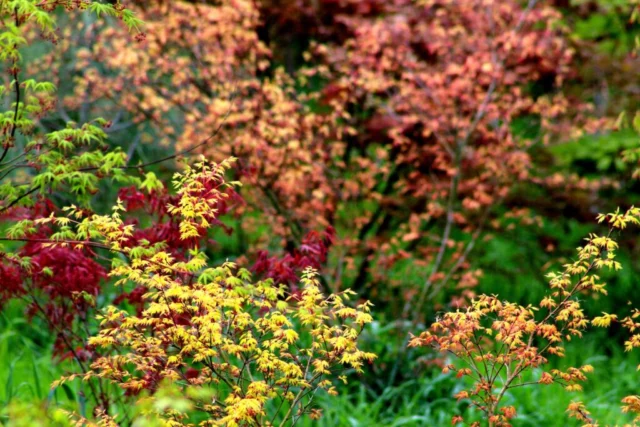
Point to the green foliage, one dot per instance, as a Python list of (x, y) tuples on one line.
[(595, 155)]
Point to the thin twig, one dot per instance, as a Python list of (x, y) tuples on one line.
[(480, 113)]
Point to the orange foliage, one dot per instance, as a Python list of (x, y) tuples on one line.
[(498, 343), (396, 129)]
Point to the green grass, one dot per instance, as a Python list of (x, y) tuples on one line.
[(429, 400), (426, 399), (28, 367)]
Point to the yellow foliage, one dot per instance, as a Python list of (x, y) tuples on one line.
[(213, 327)]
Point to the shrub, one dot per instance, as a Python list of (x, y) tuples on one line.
[(214, 327), (496, 342)]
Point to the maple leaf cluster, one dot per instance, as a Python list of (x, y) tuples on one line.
[(496, 343)]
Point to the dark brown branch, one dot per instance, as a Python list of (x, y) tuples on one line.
[(15, 202)]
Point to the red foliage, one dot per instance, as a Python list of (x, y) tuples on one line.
[(60, 285), (286, 269), (68, 278), (72, 271), (12, 286), (164, 227)]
